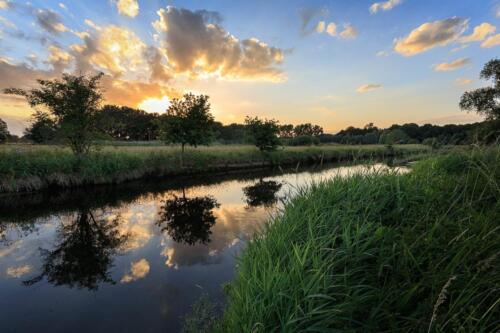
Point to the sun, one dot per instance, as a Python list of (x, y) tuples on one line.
[(155, 105)]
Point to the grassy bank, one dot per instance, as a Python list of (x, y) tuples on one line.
[(30, 168), (417, 252)]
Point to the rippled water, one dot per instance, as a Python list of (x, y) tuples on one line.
[(130, 258)]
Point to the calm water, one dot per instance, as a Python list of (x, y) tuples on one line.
[(130, 258)]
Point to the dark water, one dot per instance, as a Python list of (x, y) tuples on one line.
[(134, 257)]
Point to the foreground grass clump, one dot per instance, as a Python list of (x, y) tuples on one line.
[(417, 252), (29, 168)]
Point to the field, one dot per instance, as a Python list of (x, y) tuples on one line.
[(35, 167), (416, 252)]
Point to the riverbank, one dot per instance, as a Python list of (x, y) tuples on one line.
[(27, 168), (416, 252)]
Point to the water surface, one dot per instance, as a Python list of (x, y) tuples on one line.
[(134, 257)]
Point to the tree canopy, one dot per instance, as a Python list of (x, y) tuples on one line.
[(4, 132), (188, 121), (73, 102), (263, 133), (485, 101)]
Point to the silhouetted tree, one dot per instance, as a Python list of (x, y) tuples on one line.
[(43, 128), (486, 101), (286, 131), (4, 132), (263, 133), (188, 220), (73, 102), (393, 136), (124, 123), (187, 121), (84, 253), (262, 193)]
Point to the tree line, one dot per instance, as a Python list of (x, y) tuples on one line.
[(73, 114)]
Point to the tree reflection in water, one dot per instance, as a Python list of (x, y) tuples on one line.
[(262, 193), (84, 253), (188, 220)]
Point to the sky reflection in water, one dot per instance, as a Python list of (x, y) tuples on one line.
[(130, 258)]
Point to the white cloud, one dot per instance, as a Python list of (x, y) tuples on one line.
[(92, 24), (320, 27), (138, 270), (197, 45), (463, 81), (17, 272), (385, 5), (430, 35), (127, 7), (491, 41), (480, 33), (451, 66), (349, 32), (331, 29), (368, 87)]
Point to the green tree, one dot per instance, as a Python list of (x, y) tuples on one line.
[(486, 101), (393, 136), (286, 131), (73, 102), (263, 133), (4, 132), (188, 121), (43, 128)]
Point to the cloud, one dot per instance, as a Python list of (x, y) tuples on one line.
[(451, 66), (195, 44), (306, 16), (491, 41), (138, 270), (92, 24), (63, 6), (463, 81), (385, 5), (6, 23), (320, 27), (383, 53), (368, 87), (331, 29), (50, 21), (58, 58), (4, 4), (17, 272), (480, 33), (127, 7), (430, 35), (159, 71), (349, 32), (114, 50)]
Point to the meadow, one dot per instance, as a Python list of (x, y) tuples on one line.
[(379, 252), (35, 167)]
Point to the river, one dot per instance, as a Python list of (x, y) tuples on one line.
[(132, 257)]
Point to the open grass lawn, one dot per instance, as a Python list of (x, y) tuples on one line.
[(34, 167)]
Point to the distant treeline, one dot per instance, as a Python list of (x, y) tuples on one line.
[(129, 124)]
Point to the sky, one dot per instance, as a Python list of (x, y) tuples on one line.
[(334, 63)]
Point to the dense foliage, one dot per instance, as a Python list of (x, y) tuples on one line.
[(4, 132), (379, 252), (72, 102), (188, 121), (263, 133)]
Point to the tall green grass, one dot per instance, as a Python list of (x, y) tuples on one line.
[(383, 252), (28, 168)]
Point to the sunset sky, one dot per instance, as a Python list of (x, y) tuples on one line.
[(334, 63)]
